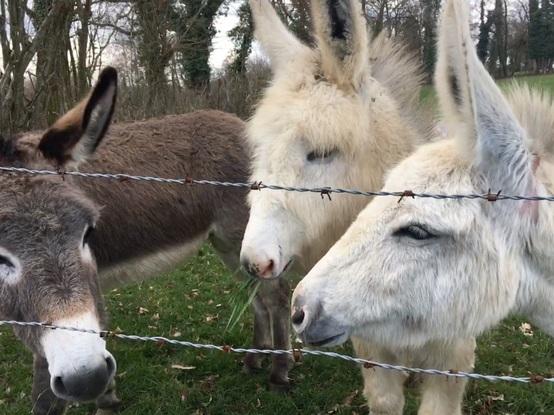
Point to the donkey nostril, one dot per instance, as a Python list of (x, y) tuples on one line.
[(270, 266), (298, 317), (110, 363), (59, 386)]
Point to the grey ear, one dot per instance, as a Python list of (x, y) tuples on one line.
[(77, 134), (342, 38), (276, 39), (476, 110)]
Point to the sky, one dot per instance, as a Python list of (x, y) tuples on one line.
[(221, 43)]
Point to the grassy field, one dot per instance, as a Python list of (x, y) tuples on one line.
[(194, 303), (545, 82)]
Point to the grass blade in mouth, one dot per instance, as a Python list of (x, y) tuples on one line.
[(241, 300)]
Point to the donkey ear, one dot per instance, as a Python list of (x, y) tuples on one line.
[(342, 38), (473, 105), (77, 134), (276, 39)]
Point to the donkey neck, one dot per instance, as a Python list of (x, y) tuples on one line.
[(156, 223)]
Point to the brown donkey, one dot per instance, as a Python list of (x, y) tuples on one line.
[(50, 226)]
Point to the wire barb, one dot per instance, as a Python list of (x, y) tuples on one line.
[(326, 192), (256, 186), (492, 197), (406, 193)]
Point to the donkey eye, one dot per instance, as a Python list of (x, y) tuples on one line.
[(5, 262), (318, 155), (418, 232), (10, 269), (88, 234)]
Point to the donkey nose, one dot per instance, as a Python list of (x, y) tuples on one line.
[(259, 268), (87, 384)]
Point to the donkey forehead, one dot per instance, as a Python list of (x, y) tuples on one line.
[(321, 115), (438, 167), (433, 168), (44, 202)]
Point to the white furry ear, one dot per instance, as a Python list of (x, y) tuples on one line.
[(451, 73), (475, 108), (276, 39), (342, 38)]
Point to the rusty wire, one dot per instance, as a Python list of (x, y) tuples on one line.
[(489, 196)]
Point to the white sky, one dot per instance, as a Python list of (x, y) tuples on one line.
[(221, 43)]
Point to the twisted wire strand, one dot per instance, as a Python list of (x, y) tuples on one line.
[(295, 353), (327, 191)]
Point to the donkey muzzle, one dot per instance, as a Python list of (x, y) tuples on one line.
[(313, 326), (87, 383)]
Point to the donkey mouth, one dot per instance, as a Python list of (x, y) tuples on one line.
[(329, 341), (287, 266)]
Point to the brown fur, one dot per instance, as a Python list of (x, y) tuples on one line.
[(204, 144)]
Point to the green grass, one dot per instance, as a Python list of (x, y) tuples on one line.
[(196, 301), (545, 82)]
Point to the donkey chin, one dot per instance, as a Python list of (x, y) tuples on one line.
[(80, 367)]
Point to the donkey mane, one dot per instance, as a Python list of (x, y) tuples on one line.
[(397, 69), (535, 111), (400, 73)]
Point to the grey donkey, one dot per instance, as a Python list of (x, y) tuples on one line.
[(63, 240)]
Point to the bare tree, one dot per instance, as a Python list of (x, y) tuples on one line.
[(18, 50)]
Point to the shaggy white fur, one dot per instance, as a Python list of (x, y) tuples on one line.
[(340, 114), (422, 271)]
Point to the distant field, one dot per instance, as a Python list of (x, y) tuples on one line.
[(545, 82), (194, 303)]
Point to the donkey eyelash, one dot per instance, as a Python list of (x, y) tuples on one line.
[(321, 155), (415, 231)]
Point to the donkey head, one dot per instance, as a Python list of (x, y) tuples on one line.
[(313, 127), (47, 271), (409, 272)]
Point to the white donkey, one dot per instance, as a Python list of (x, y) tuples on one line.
[(341, 114), (406, 274)]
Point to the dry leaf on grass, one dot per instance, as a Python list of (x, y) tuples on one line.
[(179, 367), (526, 329)]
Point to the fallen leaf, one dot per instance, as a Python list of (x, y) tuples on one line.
[(179, 367), (526, 329)]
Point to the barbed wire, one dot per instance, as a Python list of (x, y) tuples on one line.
[(323, 191), (299, 352), (295, 353)]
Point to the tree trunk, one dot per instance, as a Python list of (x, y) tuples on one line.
[(55, 94)]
